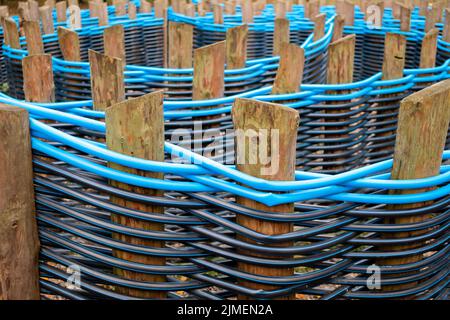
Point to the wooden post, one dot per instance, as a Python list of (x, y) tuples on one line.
[(230, 7), (280, 35), (429, 49), (47, 20), (405, 17), (181, 43), (290, 71), (4, 11), (430, 20), (11, 33), (280, 9), (423, 7), (394, 56), (19, 242), (132, 11), (140, 122), (346, 10), (33, 36), (341, 54), (189, 10), (107, 80), (236, 47), (319, 26), (218, 14), (338, 30), (33, 7), (446, 31), (61, 11), (341, 58), (312, 8), (102, 14), (114, 42), (145, 7), (280, 124), (209, 65), (120, 9), (74, 17), (247, 11), (38, 84), (69, 43), (422, 129)]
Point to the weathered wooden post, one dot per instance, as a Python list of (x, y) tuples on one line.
[(114, 42), (405, 17), (429, 49), (107, 80), (69, 44), (278, 126), (393, 65), (19, 242), (145, 7), (33, 36), (132, 11), (61, 11), (140, 122), (38, 84), (338, 30), (209, 67), (446, 31), (247, 12), (74, 17), (218, 14), (421, 135), (341, 58), (319, 26), (347, 11), (181, 43), (290, 70), (281, 34), (45, 13), (236, 47)]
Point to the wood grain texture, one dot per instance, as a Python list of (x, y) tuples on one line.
[(247, 12), (132, 11), (107, 80), (218, 14), (429, 49), (341, 54), (236, 47), (422, 129), (33, 37), (74, 17), (136, 127), (145, 7), (405, 17), (209, 68), (114, 42), (338, 30), (446, 31), (281, 124), (11, 33), (319, 26), (69, 43), (45, 13), (19, 242), (280, 35), (290, 71), (394, 56), (61, 11), (38, 84), (181, 44)]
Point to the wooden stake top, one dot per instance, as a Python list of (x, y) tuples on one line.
[(290, 71), (33, 37), (69, 43), (423, 123), (236, 47), (341, 54), (394, 56)]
